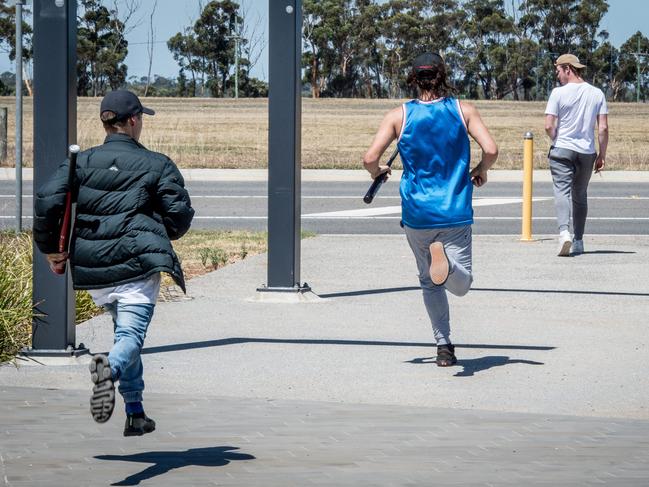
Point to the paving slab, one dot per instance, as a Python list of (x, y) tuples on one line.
[(210, 440), (551, 386)]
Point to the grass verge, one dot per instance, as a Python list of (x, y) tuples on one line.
[(226, 133)]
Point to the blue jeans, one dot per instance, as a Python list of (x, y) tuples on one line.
[(130, 323)]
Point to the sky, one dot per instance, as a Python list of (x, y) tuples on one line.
[(624, 18)]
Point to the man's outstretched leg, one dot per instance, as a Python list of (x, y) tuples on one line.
[(444, 263), (130, 322)]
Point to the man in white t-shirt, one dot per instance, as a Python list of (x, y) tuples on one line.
[(572, 112)]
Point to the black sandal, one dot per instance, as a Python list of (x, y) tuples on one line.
[(446, 355)]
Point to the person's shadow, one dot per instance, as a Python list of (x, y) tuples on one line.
[(471, 366), (164, 461)]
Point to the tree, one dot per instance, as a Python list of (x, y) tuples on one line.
[(102, 46), (320, 19), (630, 62), (8, 37), (569, 26), (212, 30), (183, 48), (150, 45), (207, 50), (411, 27), (487, 47)]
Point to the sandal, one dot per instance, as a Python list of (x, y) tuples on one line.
[(446, 355)]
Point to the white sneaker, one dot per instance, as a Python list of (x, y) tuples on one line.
[(577, 247), (565, 242)]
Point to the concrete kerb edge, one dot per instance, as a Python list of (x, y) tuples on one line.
[(353, 175)]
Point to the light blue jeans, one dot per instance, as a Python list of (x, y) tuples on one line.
[(130, 323), (457, 245)]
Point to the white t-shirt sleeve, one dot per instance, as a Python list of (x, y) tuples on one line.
[(603, 108), (552, 107)]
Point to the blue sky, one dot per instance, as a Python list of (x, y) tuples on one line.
[(623, 19)]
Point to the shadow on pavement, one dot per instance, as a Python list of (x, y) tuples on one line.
[(607, 252), (559, 291), (236, 341), (483, 289), (370, 291), (471, 366), (164, 461)]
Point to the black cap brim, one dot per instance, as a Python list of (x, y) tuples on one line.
[(148, 111)]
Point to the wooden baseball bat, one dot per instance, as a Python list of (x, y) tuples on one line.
[(66, 226)]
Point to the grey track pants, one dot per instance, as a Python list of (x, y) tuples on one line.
[(457, 244), (571, 173)]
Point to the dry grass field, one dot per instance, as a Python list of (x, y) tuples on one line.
[(226, 133)]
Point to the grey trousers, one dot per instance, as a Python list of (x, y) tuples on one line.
[(457, 244), (571, 173)]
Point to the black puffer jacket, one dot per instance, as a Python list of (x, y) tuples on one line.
[(130, 203)]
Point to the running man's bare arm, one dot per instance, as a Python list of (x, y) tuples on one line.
[(602, 138), (479, 132), (387, 132), (551, 126)]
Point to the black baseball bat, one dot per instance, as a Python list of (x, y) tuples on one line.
[(66, 226), (379, 180)]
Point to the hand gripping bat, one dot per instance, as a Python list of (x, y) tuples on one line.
[(66, 226), (379, 180)]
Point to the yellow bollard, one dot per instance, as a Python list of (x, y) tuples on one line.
[(528, 155)]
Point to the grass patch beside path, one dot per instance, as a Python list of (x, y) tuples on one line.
[(203, 251), (200, 251)]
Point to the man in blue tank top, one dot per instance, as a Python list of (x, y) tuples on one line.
[(436, 187)]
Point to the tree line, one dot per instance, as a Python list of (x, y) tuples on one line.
[(495, 49)]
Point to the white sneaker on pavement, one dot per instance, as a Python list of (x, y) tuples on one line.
[(565, 242), (577, 247)]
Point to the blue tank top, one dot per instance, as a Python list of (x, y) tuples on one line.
[(436, 188)]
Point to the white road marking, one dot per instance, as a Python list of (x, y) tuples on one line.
[(389, 210)]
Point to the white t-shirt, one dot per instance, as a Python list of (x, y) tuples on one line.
[(144, 291), (577, 106)]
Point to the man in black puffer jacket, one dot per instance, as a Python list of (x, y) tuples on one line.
[(130, 203)]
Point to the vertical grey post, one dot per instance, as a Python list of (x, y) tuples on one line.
[(55, 117), (3, 134), (284, 145), (19, 115), (236, 66), (637, 64)]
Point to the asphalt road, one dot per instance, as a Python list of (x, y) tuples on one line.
[(337, 207)]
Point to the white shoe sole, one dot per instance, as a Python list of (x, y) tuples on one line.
[(564, 249)]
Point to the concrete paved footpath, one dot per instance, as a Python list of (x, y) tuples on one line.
[(551, 387)]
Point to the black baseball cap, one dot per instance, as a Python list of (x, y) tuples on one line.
[(426, 62), (123, 104)]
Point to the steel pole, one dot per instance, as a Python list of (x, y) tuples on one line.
[(637, 64), (55, 128), (19, 115), (284, 145)]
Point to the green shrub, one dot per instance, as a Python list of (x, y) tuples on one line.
[(216, 257), (16, 295)]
